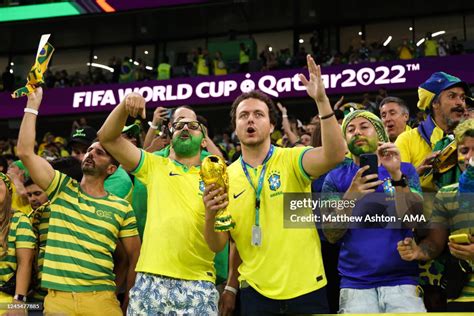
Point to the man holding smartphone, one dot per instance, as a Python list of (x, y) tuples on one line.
[(452, 214), (373, 278)]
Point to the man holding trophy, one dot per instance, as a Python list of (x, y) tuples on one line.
[(281, 269), (175, 271)]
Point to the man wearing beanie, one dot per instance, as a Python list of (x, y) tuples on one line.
[(373, 277), (452, 214), (443, 97)]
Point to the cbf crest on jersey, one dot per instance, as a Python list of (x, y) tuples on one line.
[(274, 181), (202, 186)]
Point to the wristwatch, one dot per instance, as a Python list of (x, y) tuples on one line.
[(403, 182), (19, 297)]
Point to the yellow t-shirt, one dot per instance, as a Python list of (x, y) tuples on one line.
[(173, 240), (288, 263), (414, 149)]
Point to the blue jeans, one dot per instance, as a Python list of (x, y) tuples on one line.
[(159, 295), (383, 299), (254, 303)]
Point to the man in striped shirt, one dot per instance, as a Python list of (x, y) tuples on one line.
[(452, 214), (84, 226)]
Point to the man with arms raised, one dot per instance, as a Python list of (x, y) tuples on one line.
[(281, 269), (84, 226), (176, 272)]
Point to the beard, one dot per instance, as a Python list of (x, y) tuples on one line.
[(369, 147), (187, 147), (89, 168)]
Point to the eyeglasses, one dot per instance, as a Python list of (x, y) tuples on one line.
[(193, 125)]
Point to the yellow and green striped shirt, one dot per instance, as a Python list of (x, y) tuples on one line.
[(82, 236), (20, 236), (40, 221), (458, 216)]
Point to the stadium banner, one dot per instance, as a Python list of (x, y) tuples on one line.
[(195, 91)]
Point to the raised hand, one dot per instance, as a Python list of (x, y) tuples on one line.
[(135, 105), (159, 115), (389, 157), (315, 86), (361, 186), (34, 99)]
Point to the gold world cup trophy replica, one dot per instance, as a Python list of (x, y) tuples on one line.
[(213, 171)]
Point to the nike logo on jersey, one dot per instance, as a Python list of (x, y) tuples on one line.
[(237, 195), (174, 174)]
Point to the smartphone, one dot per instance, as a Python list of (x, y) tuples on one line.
[(169, 113), (460, 239), (372, 161)]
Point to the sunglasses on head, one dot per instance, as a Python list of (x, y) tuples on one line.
[(193, 125)]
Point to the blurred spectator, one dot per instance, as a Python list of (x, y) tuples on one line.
[(244, 58), (219, 65), (442, 47), (300, 58), (455, 48), (268, 57), (6, 147), (126, 71), (115, 65), (140, 71), (368, 104), (164, 69), (285, 60), (364, 51), (203, 62), (376, 50), (382, 95), (3, 164), (81, 139), (305, 139), (79, 123), (430, 45), (405, 50)]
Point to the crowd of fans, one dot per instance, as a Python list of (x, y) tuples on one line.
[(200, 62), (415, 156)]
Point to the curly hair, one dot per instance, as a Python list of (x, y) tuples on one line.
[(464, 129), (259, 95)]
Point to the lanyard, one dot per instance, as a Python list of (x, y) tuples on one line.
[(258, 189)]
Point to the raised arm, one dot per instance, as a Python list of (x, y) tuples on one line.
[(158, 117), (292, 137), (110, 133), (40, 170), (320, 160)]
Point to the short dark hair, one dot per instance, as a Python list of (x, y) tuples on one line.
[(28, 182), (399, 101), (259, 95)]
